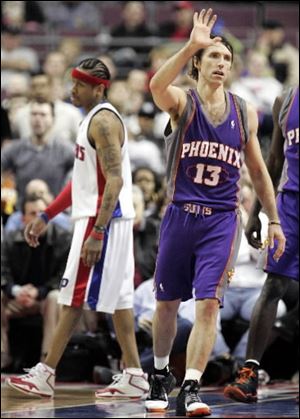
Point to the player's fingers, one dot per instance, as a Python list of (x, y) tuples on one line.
[(201, 15), (207, 16), (280, 249), (211, 24), (195, 18)]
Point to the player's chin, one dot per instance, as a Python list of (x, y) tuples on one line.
[(75, 101)]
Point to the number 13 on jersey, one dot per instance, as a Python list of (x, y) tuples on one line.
[(207, 174)]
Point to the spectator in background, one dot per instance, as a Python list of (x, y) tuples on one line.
[(55, 66), (143, 150), (179, 27), (43, 153), (73, 15), (133, 25), (71, 48), (22, 14), (30, 285), (66, 117), (259, 87), (145, 231), (150, 184), (39, 188), (282, 55), (16, 96), (14, 57), (149, 118)]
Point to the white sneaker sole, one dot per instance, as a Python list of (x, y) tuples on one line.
[(28, 392), (155, 406)]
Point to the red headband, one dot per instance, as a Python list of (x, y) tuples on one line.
[(88, 78)]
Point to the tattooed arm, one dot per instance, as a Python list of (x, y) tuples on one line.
[(106, 134)]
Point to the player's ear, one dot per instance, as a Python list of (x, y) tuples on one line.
[(196, 62), (100, 90)]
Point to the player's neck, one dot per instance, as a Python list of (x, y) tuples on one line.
[(92, 105), (210, 94)]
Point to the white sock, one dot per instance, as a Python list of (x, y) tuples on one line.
[(192, 374), (135, 371), (161, 362)]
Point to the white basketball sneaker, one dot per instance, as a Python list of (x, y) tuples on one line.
[(125, 386), (39, 381)]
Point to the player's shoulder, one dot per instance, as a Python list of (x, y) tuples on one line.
[(106, 116)]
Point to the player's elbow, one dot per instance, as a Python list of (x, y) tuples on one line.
[(154, 85)]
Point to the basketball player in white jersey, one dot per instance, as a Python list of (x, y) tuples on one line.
[(100, 267)]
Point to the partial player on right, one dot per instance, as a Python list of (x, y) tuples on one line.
[(283, 166)]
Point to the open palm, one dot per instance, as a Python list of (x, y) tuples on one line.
[(203, 24)]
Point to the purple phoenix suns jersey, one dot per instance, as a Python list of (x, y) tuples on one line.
[(204, 160), (289, 123)]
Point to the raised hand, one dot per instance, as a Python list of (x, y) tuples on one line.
[(203, 24)]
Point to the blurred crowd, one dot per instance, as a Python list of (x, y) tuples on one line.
[(39, 128)]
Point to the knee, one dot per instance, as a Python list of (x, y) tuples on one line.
[(207, 311), (166, 310)]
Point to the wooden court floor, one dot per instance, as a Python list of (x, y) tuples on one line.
[(77, 401)]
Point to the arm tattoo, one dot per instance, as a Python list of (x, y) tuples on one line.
[(108, 149)]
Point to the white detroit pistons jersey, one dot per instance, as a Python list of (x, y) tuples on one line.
[(88, 181)]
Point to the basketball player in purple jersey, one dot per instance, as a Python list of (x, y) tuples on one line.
[(283, 165), (209, 134)]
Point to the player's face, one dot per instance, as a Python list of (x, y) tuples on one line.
[(215, 64), (81, 93)]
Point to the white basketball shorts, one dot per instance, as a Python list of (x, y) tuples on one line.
[(108, 285)]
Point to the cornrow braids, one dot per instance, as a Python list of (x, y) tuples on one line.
[(193, 73), (96, 68)]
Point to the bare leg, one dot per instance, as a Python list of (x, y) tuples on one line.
[(123, 321), (203, 334), (68, 320), (264, 314), (164, 327), (50, 313)]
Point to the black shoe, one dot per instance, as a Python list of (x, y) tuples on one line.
[(244, 388), (160, 387), (188, 401)]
